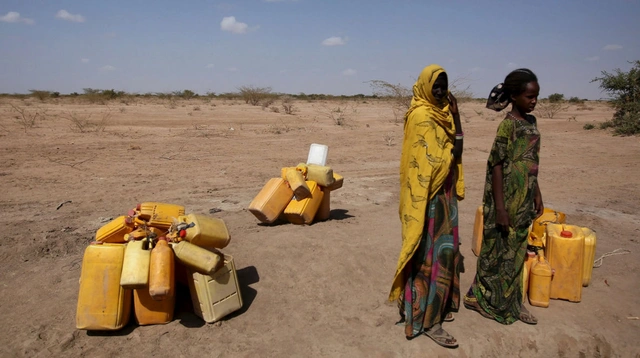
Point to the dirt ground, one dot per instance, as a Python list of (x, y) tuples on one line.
[(317, 290)]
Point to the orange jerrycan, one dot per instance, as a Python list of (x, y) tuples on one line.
[(565, 250), (324, 211), (338, 181), (159, 215), (303, 211), (589, 255), (548, 216), (271, 200), (149, 311), (478, 227), (114, 231), (102, 303), (161, 271), (540, 282), (206, 231), (196, 258)]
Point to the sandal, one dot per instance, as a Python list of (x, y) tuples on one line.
[(449, 317), (441, 336), (527, 317), (471, 303)]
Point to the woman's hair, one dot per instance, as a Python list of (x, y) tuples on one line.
[(516, 82)]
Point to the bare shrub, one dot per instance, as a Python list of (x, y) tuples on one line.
[(275, 109), (287, 105), (196, 108), (398, 95), (549, 109), (267, 102), (82, 123), (340, 115), (40, 94), (27, 118), (388, 138)]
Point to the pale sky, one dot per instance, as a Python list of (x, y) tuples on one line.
[(310, 46)]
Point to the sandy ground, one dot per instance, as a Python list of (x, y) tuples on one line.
[(316, 290)]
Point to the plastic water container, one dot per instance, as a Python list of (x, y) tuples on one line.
[(135, 268), (318, 154), (565, 250), (320, 174), (303, 211), (540, 282), (215, 296), (196, 258), (149, 311), (271, 200), (324, 211), (589, 255), (102, 303), (297, 183), (547, 217), (161, 271), (159, 215), (206, 232), (114, 231), (338, 181), (526, 273)]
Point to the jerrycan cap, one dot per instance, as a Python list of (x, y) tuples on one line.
[(162, 238), (565, 233), (139, 206)]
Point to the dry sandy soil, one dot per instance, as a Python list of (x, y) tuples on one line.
[(317, 290)]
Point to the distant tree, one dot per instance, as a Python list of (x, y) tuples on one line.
[(624, 89), (556, 98), (254, 95), (40, 94)]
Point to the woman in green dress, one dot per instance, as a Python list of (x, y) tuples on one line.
[(512, 200)]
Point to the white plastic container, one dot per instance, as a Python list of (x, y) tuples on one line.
[(318, 154)]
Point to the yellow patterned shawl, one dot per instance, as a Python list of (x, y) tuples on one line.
[(429, 132)]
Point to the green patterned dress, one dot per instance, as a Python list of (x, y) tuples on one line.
[(497, 285)]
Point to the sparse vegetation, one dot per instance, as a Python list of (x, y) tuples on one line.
[(287, 105), (588, 126), (41, 95), (556, 98), (624, 89), (254, 95), (82, 123), (548, 109), (27, 118)]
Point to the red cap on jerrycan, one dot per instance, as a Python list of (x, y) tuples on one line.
[(565, 233)]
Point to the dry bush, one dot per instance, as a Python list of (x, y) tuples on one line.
[(550, 109), (254, 95), (340, 115), (398, 95), (278, 128), (275, 109), (40, 94), (82, 123), (27, 118), (287, 105)]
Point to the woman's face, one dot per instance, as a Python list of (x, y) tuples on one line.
[(440, 87), (527, 100)]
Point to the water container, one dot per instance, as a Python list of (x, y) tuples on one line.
[(589, 255), (146, 231), (135, 268), (318, 154), (196, 258), (324, 211), (206, 232), (114, 231), (215, 296), (303, 211), (478, 227), (526, 270), (271, 200), (159, 215), (297, 183), (338, 181), (149, 311), (540, 282), (320, 174), (565, 250), (102, 303), (548, 216), (161, 271)]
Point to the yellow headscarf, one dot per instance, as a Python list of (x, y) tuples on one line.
[(429, 133)]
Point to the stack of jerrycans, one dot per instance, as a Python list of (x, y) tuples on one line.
[(133, 261)]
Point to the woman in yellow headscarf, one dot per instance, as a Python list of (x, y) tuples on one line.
[(427, 279)]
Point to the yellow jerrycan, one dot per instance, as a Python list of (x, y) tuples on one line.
[(526, 273), (149, 311), (271, 200), (197, 258), (548, 216), (297, 183), (589, 255), (540, 282), (478, 227), (303, 211), (135, 268), (161, 271), (565, 250), (159, 215), (205, 232)]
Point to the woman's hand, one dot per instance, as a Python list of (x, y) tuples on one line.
[(453, 104), (502, 220)]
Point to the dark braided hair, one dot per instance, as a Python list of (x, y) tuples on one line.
[(516, 82)]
